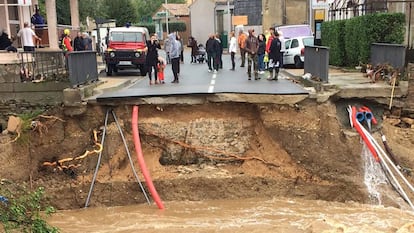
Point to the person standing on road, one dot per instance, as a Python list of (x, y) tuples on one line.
[(219, 53), (261, 53), (212, 49), (167, 47), (274, 57), (194, 48), (26, 34), (152, 58), (175, 50), (252, 45), (241, 40), (233, 49), (283, 47), (179, 39)]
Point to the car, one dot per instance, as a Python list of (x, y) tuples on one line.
[(294, 53), (126, 49)]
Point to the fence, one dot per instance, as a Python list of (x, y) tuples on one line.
[(42, 66), (317, 62), (393, 54), (83, 67)]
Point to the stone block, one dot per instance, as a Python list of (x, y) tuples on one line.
[(14, 124), (72, 97)]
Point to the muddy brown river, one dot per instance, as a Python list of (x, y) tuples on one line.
[(245, 215)]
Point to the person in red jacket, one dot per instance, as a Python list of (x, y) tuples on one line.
[(66, 41), (269, 41)]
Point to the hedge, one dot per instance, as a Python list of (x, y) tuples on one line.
[(349, 41)]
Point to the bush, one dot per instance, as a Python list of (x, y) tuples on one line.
[(175, 27), (349, 41), (149, 26), (24, 211)]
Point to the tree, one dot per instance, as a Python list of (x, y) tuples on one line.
[(122, 11), (147, 8)]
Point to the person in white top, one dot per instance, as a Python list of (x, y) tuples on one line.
[(232, 48), (26, 34)]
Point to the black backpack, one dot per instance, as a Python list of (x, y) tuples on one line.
[(61, 41)]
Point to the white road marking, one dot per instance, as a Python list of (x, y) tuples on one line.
[(212, 83)]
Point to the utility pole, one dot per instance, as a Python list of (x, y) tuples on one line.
[(166, 17)]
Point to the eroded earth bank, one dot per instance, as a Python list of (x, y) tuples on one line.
[(201, 152)]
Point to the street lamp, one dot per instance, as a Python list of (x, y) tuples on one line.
[(166, 17)]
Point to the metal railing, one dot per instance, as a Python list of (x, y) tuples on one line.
[(43, 66)]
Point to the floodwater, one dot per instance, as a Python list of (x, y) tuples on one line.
[(245, 215)]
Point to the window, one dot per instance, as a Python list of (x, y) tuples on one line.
[(295, 43), (127, 36), (287, 44)]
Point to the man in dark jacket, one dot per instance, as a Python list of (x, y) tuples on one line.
[(252, 45), (212, 49), (274, 57), (78, 43)]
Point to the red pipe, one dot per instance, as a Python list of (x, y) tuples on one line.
[(357, 126), (141, 160)]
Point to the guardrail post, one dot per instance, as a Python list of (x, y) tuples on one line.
[(83, 67), (317, 62)]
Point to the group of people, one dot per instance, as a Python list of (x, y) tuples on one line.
[(156, 64), (82, 42), (214, 49), (262, 54), (29, 38)]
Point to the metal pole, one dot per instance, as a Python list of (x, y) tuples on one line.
[(99, 160), (310, 12), (166, 17), (409, 27), (229, 15), (129, 157)]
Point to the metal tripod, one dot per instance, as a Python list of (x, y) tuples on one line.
[(100, 157)]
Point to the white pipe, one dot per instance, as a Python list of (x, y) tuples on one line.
[(388, 159), (382, 154)]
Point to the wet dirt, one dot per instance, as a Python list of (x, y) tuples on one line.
[(202, 152)]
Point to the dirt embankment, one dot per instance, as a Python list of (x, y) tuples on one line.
[(212, 151)]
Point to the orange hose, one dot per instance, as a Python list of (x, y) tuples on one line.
[(141, 161)]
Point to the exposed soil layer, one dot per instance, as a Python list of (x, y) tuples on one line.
[(198, 152)]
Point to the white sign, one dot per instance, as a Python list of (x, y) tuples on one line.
[(25, 2), (321, 3)]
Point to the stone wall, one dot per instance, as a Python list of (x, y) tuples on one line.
[(17, 97)]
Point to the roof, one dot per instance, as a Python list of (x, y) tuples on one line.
[(177, 9), (130, 29)]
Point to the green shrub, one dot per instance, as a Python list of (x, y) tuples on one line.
[(25, 211), (175, 27), (149, 26), (349, 41)]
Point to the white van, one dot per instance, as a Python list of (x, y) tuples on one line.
[(291, 31)]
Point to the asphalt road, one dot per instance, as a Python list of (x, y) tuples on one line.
[(195, 79)]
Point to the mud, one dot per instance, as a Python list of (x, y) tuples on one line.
[(202, 152)]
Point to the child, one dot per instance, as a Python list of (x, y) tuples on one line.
[(160, 69)]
